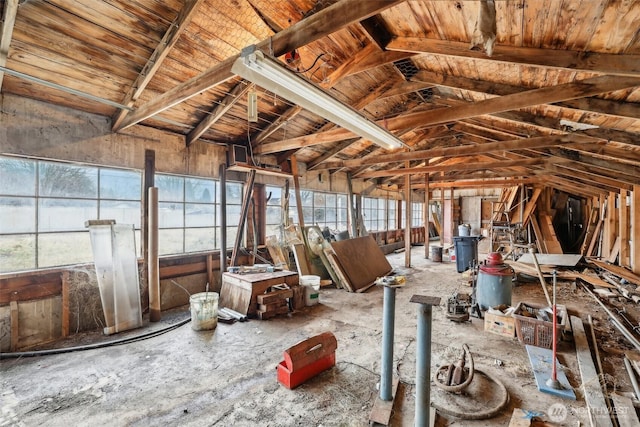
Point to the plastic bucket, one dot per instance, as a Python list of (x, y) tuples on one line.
[(311, 289), (204, 311), (464, 230)]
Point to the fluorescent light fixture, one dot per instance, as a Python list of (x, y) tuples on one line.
[(267, 72)]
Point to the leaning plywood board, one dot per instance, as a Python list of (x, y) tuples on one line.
[(593, 395), (561, 260), (361, 260)]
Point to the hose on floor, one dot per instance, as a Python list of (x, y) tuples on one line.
[(120, 341)]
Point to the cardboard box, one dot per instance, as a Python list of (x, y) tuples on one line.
[(499, 324)]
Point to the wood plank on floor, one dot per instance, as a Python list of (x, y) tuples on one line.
[(625, 411), (593, 395)]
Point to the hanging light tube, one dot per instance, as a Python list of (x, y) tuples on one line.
[(267, 72)]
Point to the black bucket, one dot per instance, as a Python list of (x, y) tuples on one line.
[(436, 253)]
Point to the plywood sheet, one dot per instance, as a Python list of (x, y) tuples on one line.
[(361, 260), (561, 260)]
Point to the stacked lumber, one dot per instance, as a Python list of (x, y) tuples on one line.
[(274, 302)]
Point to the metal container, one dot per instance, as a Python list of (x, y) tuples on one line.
[(495, 280), (436, 253)]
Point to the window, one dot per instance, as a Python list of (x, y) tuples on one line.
[(416, 214), (321, 209), (374, 213), (44, 206), (274, 219)]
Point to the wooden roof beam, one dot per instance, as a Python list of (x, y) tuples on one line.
[(168, 41), (316, 26), (623, 65), (599, 106), (8, 22)]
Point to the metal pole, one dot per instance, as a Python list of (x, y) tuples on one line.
[(423, 358), (388, 314)]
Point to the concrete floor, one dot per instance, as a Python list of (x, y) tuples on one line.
[(227, 377)]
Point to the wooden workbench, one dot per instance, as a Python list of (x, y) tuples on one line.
[(239, 292)]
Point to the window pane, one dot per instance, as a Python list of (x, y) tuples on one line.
[(123, 212), (65, 214), (342, 201), (274, 215), (62, 180), (331, 217), (170, 188), (292, 199), (319, 216), (233, 215), (276, 196), (231, 236), (17, 252), (199, 215), (307, 213), (199, 190), (307, 198), (170, 215), (17, 215), (331, 200), (199, 239), (234, 193), (170, 241), (17, 177), (273, 230), (319, 199), (120, 184), (381, 204), (64, 248)]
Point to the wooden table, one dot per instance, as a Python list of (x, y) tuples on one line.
[(239, 292)]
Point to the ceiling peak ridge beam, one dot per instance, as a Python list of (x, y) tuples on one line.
[(606, 63), (316, 26), (594, 105), (168, 41), (489, 183)]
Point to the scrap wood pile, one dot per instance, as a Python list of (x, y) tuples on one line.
[(351, 264)]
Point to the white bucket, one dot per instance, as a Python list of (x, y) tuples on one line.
[(464, 230), (311, 289), (204, 311)]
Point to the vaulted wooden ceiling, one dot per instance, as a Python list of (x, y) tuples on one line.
[(558, 102)]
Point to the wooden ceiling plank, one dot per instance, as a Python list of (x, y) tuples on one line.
[(170, 38), (220, 110), (8, 22), (316, 26), (624, 65)]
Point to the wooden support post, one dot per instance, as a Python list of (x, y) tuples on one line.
[(296, 188), (153, 268), (15, 326), (223, 219), (442, 214), (635, 229), (610, 229), (65, 303), (351, 213), (407, 217), (149, 181), (427, 210), (451, 214), (624, 230)]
